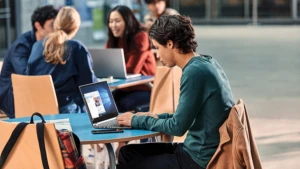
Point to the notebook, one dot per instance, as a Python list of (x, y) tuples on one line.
[(100, 105), (110, 63), (59, 124)]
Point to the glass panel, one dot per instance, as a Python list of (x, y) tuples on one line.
[(2, 28), (274, 8), (298, 9), (7, 27), (227, 9), (192, 8)]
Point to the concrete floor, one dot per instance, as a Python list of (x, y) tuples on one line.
[(263, 66)]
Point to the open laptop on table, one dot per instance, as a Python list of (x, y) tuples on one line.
[(100, 105), (110, 63)]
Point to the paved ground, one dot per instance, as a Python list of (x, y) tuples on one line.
[(263, 65)]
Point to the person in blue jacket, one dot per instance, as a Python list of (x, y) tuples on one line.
[(17, 56), (67, 61)]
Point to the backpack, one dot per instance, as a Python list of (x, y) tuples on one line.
[(70, 149), (68, 142)]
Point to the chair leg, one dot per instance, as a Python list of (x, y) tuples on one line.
[(115, 147)]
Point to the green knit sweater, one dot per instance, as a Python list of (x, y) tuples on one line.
[(204, 104)]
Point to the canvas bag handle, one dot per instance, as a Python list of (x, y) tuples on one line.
[(18, 131)]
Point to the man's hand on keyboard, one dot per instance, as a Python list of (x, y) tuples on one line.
[(125, 119)]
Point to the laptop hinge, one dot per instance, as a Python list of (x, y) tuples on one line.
[(105, 121)]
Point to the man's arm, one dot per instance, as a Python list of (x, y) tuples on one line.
[(160, 116), (19, 58), (192, 97), (148, 20)]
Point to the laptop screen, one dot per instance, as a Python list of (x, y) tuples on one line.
[(99, 101), (108, 62)]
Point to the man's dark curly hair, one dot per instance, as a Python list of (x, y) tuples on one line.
[(42, 14), (176, 28)]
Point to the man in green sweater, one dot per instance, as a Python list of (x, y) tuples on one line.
[(204, 104)]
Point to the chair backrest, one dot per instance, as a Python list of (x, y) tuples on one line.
[(34, 94), (26, 151), (166, 90)]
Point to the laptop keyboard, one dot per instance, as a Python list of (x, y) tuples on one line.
[(108, 124), (108, 80)]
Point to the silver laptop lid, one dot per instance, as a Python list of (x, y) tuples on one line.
[(108, 62), (99, 101)]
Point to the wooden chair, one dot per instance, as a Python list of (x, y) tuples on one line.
[(34, 94), (165, 92), (26, 151)]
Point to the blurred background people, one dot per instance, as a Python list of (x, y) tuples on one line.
[(66, 60), (17, 56), (157, 8)]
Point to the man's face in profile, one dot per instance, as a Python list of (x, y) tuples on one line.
[(48, 27), (157, 7), (43, 31)]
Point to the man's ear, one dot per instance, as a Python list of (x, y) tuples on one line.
[(37, 26), (170, 44)]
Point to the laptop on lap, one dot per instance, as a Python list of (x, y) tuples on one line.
[(100, 105), (110, 62)]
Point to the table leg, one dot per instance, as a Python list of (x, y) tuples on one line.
[(153, 140), (111, 154), (95, 156)]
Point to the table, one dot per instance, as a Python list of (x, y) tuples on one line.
[(123, 83), (82, 127)]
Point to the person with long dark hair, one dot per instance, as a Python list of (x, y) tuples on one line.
[(124, 31), (66, 60)]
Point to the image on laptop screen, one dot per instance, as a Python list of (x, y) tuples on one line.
[(95, 104), (99, 101)]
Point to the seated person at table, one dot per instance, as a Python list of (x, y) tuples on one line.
[(17, 56), (204, 104), (157, 8), (124, 31), (66, 60)]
